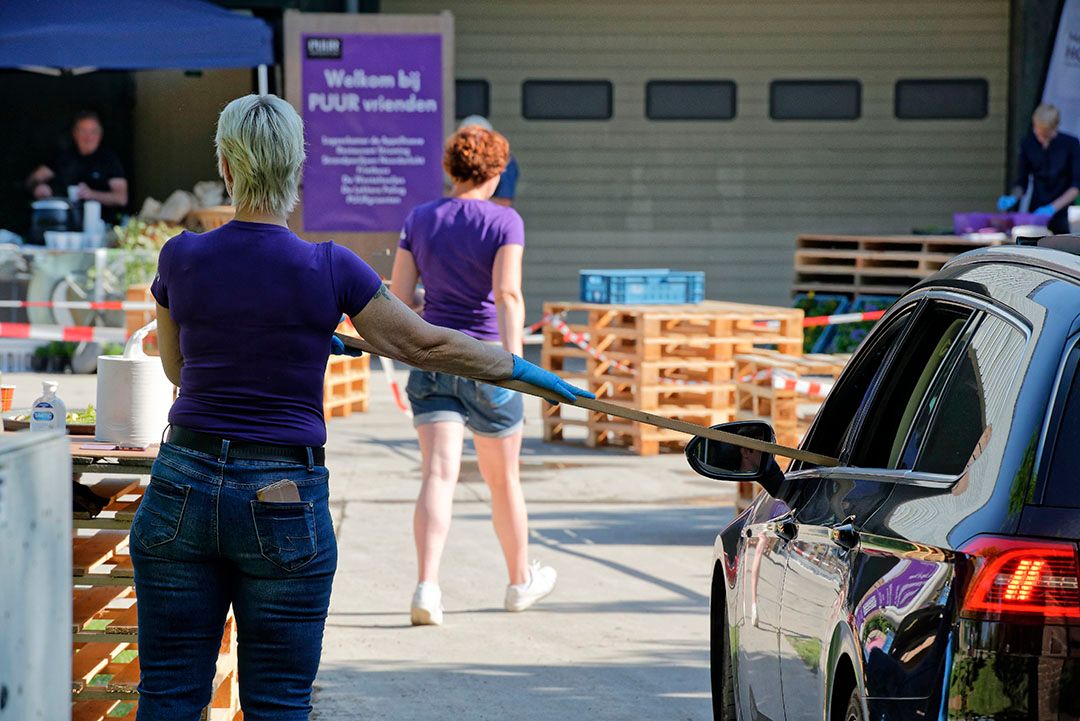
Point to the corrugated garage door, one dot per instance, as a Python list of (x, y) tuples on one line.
[(729, 196)]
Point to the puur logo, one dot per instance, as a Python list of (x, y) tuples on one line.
[(323, 48)]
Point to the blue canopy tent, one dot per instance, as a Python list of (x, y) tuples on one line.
[(83, 35)]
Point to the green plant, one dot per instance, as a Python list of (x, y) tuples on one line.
[(142, 240), (60, 349), (813, 305)]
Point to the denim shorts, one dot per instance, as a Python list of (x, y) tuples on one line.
[(485, 409)]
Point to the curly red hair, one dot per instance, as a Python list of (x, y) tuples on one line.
[(475, 154)]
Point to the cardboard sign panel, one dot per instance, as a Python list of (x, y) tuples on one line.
[(373, 121), (376, 94)]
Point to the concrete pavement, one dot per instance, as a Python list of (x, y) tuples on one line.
[(624, 635)]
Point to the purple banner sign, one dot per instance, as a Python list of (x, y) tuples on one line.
[(373, 117)]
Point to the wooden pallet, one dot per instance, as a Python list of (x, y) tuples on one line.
[(105, 664), (645, 440), (135, 319), (346, 382), (674, 360), (786, 410), (91, 550), (873, 265), (106, 673)]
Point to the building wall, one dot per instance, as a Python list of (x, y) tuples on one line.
[(730, 196), (175, 119)]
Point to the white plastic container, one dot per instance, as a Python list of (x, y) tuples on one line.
[(64, 240), (48, 412)]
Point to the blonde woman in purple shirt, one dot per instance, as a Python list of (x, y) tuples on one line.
[(245, 317), (467, 251)]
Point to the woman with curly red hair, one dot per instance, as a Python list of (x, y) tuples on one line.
[(468, 251)]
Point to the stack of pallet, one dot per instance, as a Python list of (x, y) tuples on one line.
[(761, 392), (346, 383), (873, 265), (678, 361), (105, 660)]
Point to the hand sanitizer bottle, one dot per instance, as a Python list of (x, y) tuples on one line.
[(49, 412)]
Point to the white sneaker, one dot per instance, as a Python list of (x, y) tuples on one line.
[(427, 607), (541, 582)]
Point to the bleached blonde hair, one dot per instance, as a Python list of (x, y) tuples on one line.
[(262, 138), (1046, 115)]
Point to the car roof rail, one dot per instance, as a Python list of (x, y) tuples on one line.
[(1065, 243)]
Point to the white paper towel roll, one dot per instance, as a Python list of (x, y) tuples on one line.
[(133, 395)]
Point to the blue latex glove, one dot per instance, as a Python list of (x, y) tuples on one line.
[(1007, 202), (1045, 210), (337, 347), (526, 371)]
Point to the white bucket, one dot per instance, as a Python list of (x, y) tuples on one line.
[(133, 395)]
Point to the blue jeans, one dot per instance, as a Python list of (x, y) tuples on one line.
[(485, 409), (200, 541)]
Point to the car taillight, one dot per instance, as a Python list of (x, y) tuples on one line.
[(1022, 579)]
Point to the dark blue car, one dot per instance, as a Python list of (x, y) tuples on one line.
[(933, 573)]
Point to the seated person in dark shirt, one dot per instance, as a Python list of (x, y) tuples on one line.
[(93, 169), (1051, 159)]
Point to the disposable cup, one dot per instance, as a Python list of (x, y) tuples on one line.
[(7, 396)]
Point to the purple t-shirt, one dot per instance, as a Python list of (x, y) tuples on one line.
[(256, 306), (454, 243)]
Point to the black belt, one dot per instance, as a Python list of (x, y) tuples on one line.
[(215, 446)]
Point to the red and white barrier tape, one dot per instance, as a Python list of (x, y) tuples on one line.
[(535, 327), (785, 380), (395, 388), (820, 320), (80, 304), (841, 318), (73, 333)]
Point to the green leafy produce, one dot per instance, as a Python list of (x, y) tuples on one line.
[(143, 240), (86, 416), (814, 305), (850, 335)]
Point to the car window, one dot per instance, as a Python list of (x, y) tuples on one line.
[(1061, 481), (839, 411), (907, 383), (977, 393)]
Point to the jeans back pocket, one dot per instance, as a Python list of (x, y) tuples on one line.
[(160, 513), (286, 533)]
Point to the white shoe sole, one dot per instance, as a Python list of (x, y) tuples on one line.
[(525, 605), (425, 617)]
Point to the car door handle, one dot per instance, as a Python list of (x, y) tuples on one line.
[(845, 534), (784, 526)]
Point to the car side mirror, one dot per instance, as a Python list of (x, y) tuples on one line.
[(728, 462)]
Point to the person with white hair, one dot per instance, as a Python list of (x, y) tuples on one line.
[(1051, 159), (506, 190), (236, 513)]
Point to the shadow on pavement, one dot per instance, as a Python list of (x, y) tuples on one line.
[(668, 684), (647, 526)]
